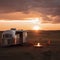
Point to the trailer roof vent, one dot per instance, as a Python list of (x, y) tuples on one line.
[(13, 28)]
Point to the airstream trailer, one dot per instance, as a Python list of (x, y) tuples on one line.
[(13, 37)]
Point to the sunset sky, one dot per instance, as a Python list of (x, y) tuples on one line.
[(26, 14)]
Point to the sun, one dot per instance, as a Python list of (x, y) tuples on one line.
[(36, 27)]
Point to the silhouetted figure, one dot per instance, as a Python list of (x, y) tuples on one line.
[(48, 42)]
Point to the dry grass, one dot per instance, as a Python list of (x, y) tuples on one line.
[(30, 53), (51, 52)]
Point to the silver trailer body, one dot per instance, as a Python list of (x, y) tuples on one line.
[(13, 37)]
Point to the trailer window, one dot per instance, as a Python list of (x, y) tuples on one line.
[(7, 35)]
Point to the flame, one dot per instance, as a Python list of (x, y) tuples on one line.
[(38, 45)]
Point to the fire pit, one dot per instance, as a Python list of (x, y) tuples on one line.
[(38, 45)]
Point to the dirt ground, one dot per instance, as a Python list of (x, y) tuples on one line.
[(30, 53), (51, 52)]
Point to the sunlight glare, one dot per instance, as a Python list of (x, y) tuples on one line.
[(36, 27)]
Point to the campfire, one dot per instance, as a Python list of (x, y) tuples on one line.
[(38, 45)]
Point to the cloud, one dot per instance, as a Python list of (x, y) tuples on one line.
[(7, 6), (43, 8), (56, 19), (25, 5)]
